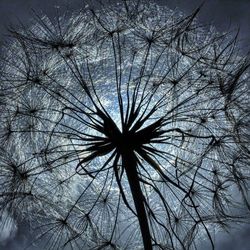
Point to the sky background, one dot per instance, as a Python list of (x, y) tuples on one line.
[(223, 14)]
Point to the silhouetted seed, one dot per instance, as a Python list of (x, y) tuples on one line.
[(203, 119)]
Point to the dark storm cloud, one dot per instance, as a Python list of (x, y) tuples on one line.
[(223, 14), (11, 11), (238, 240)]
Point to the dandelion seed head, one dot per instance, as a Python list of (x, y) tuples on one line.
[(122, 115)]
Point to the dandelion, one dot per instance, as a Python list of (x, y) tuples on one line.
[(123, 128)]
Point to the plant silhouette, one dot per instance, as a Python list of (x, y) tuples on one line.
[(124, 127)]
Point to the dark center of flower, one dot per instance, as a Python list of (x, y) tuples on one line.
[(130, 138)]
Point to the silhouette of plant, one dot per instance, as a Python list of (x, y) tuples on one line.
[(124, 127)]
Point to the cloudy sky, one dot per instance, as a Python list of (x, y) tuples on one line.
[(223, 14)]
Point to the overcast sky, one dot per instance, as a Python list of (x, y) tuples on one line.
[(222, 13)]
